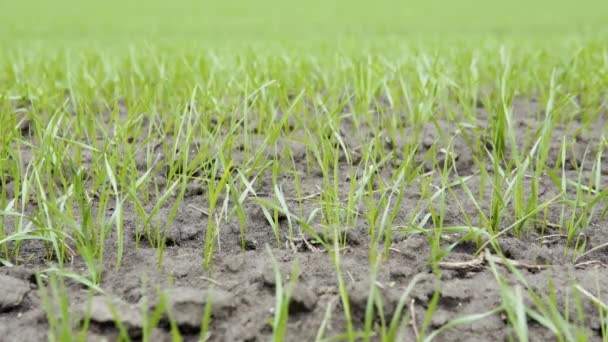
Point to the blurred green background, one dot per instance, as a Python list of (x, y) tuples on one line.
[(247, 21)]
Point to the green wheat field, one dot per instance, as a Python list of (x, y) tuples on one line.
[(303, 171)]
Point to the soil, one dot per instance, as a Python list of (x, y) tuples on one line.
[(242, 285)]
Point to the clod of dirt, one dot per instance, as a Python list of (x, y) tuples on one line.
[(235, 264), (185, 227), (267, 277), (440, 317), (303, 299), (412, 247), (358, 294), (400, 271), (187, 305), (456, 292), (101, 314), (248, 331), (424, 289), (25, 273), (538, 254), (12, 291), (160, 335), (179, 233)]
